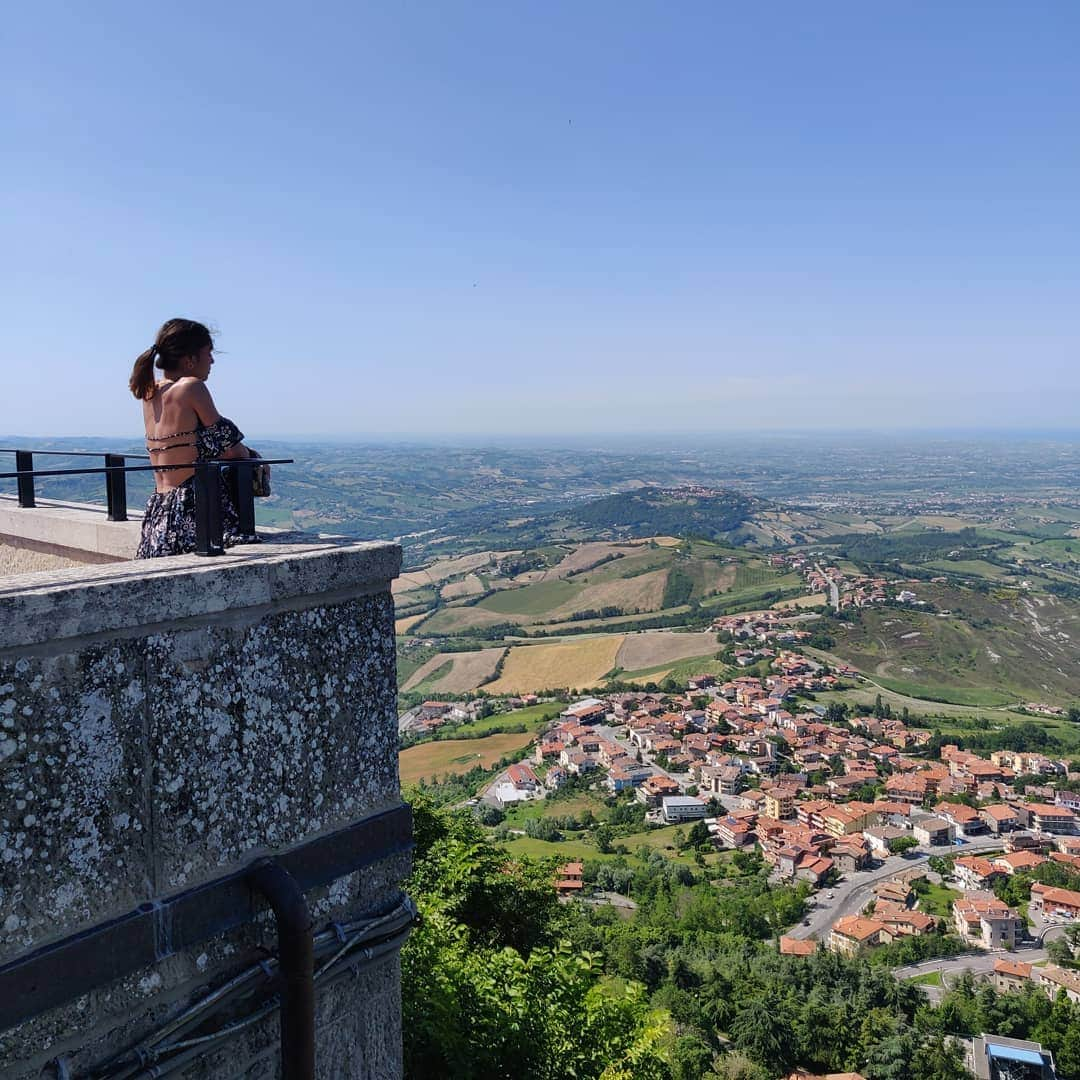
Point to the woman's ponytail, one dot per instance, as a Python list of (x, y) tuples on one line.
[(141, 382)]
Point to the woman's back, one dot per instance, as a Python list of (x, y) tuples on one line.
[(183, 426), (171, 421)]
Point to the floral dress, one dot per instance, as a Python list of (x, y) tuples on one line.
[(169, 519)]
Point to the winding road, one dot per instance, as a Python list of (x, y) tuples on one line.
[(852, 894)]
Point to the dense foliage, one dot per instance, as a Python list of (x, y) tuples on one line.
[(491, 986)]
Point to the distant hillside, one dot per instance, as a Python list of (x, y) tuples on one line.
[(991, 648), (651, 511)]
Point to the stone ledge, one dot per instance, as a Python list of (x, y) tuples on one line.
[(57, 605), (70, 529)]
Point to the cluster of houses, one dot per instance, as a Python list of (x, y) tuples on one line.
[(799, 788), (1009, 975), (853, 590), (429, 716), (761, 628)]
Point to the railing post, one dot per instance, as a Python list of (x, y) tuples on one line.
[(24, 462), (116, 488), (245, 497), (207, 487)]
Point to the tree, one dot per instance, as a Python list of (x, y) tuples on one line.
[(892, 1058), (737, 1066), (837, 712), (1060, 951), (902, 844), (939, 1059), (699, 834), (489, 815), (761, 1032), (604, 835), (490, 986)]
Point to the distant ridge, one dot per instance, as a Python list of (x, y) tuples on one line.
[(712, 513)]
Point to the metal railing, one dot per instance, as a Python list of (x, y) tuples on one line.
[(206, 484), (115, 482)]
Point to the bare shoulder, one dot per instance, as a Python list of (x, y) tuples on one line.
[(188, 385), (196, 395)]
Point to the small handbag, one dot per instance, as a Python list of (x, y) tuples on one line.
[(260, 478)]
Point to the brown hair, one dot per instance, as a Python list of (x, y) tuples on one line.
[(177, 339)]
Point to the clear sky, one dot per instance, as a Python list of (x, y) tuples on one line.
[(442, 217)]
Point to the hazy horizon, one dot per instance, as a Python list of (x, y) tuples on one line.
[(673, 440), (547, 220)]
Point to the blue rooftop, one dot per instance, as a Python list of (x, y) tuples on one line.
[(1014, 1053)]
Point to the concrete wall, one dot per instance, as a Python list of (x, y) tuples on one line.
[(77, 532), (15, 559), (164, 722)]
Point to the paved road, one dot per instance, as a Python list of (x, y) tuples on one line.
[(852, 894), (604, 731), (977, 963), (834, 592)]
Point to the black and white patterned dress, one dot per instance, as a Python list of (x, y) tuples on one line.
[(169, 519)]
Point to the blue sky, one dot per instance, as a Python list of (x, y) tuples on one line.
[(536, 218)]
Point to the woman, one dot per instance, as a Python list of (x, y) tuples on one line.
[(182, 426)]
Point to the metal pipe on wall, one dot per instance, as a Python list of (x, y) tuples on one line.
[(296, 952)]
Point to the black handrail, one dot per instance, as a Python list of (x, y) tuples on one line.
[(67, 453), (115, 485), (209, 534)]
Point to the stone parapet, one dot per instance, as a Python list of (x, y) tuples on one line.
[(167, 722), (77, 531)]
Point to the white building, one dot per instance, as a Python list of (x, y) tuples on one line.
[(676, 808)]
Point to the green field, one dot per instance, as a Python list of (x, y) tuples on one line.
[(433, 677), (456, 755), (681, 670), (938, 900), (985, 648), (977, 568), (534, 717), (573, 806), (657, 839), (535, 599), (951, 695), (952, 719), (927, 978), (750, 577)]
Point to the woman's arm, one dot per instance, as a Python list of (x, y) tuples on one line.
[(205, 409)]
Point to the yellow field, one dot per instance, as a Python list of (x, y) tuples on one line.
[(655, 677), (581, 558), (457, 755), (443, 569), (402, 626), (663, 646), (531, 668), (469, 670), (802, 601), (470, 585)]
